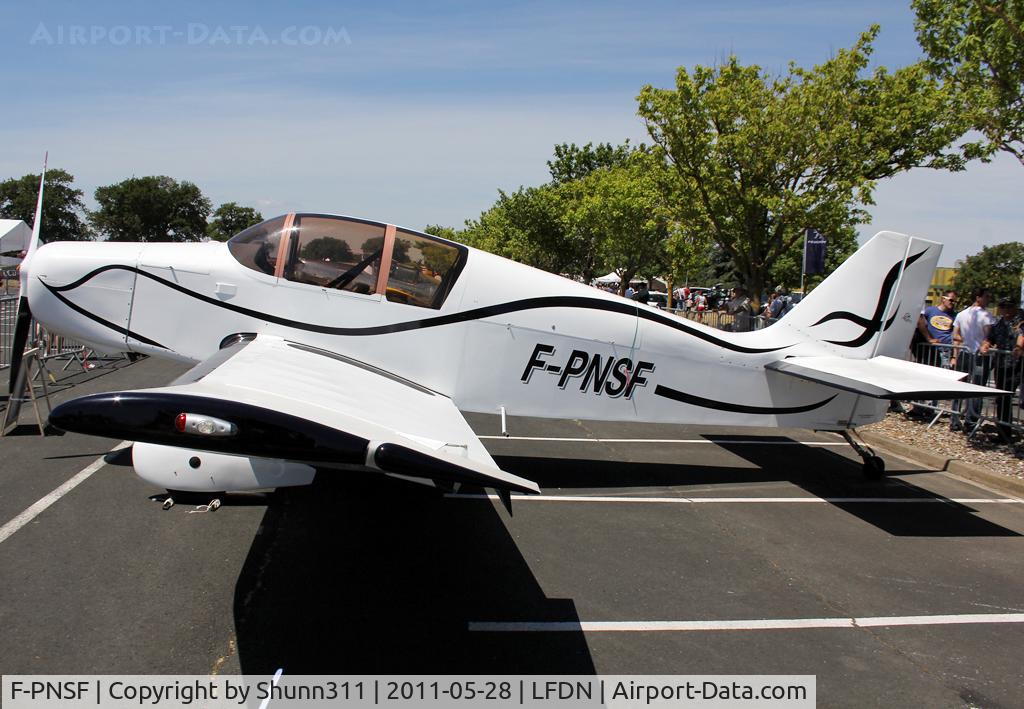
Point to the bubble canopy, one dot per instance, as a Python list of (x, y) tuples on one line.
[(353, 255)]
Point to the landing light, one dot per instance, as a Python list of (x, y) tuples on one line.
[(204, 425)]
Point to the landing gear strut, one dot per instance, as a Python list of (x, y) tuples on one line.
[(874, 466)]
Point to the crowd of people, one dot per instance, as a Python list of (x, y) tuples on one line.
[(985, 346), (735, 302)]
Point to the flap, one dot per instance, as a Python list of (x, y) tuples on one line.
[(292, 401), (882, 377)]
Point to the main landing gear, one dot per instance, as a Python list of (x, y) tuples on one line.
[(874, 466)]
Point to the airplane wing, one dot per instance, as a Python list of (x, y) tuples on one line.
[(882, 377), (273, 398)]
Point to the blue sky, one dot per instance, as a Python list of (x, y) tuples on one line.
[(414, 112)]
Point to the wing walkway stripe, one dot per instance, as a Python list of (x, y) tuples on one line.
[(744, 500), (754, 624), (40, 505)]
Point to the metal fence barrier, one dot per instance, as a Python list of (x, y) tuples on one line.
[(51, 346), (8, 309), (997, 369), (720, 320)]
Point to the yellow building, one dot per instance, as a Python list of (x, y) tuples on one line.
[(942, 280)]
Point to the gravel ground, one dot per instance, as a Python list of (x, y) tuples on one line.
[(985, 449)]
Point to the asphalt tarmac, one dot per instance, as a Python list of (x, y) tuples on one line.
[(653, 550)]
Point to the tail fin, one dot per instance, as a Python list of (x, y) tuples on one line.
[(869, 306)]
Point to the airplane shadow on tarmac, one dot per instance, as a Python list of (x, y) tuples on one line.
[(819, 471), (367, 576)]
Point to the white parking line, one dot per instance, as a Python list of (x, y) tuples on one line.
[(648, 626), (744, 500), (32, 512), (666, 440)]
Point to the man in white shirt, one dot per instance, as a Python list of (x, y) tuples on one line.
[(971, 329)]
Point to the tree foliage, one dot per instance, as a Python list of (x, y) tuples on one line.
[(998, 268), (153, 208), (326, 248), (572, 162), (445, 232), (528, 226), (755, 160), (229, 219), (977, 47), (787, 269), (63, 208), (400, 254), (622, 214), (438, 258), (602, 209)]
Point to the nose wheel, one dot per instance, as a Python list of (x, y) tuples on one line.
[(873, 467)]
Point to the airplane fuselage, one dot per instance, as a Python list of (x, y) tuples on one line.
[(507, 336)]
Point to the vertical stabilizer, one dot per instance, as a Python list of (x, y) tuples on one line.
[(870, 304)]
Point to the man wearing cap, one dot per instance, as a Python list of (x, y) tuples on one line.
[(936, 326)]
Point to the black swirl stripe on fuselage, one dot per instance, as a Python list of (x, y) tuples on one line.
[(554, 301), (693, 400), (875, 323), (106, 323)]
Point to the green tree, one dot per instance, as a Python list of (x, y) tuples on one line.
[(445, 232), (998, 268), (623, 213), (437, 257), (977, 47), (326, 248), (376, 243), (757, 159), (229, 219), (153, 208), (572, 162), (787, 269), (529, 226), (63, 209)]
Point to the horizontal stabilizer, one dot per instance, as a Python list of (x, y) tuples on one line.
[(882, 377)]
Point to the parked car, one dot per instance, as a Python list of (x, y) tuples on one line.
[(657, 299), (716, 295)]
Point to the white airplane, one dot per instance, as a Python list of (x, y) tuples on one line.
[(323, 341)]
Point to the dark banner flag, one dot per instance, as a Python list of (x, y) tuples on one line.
[(815, 245)]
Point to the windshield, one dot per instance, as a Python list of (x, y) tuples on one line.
[(257, 247)]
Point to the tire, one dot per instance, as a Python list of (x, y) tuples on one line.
[(874, 468)]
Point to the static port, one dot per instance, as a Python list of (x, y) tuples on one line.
[(194, 461)]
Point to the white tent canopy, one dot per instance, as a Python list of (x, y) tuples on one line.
[(14, 236), (614, 278)]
